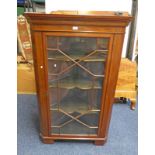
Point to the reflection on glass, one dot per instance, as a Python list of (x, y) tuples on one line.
[(76, 68)]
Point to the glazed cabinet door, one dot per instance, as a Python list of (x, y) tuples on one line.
[(76, 71)]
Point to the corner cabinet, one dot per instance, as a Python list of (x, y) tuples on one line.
[(76, 59)]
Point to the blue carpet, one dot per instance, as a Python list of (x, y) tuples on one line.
[(122, 140)]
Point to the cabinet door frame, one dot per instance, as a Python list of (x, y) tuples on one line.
[(108, 63)]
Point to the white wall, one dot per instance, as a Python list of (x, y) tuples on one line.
[(100, 5)]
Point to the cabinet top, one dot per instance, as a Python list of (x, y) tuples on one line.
[(94, 16)]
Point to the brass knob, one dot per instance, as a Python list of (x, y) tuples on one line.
[(41, 67)]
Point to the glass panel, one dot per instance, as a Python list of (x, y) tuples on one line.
[(76, 68)]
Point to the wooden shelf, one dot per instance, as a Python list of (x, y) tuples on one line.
[(81, 107), (99, 55), (76, 58), (75, 105), (79, 83)]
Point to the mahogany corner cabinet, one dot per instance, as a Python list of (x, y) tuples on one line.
[(76, 60)]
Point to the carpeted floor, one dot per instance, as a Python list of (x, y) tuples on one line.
[(122, 140)]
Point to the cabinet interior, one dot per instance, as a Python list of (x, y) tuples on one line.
[(76, 68)]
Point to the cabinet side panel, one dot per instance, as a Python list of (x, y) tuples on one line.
[(40, 81), (111, 84)]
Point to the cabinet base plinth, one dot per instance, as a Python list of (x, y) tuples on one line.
[(99, 142), (46, 140), (51, 140)]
